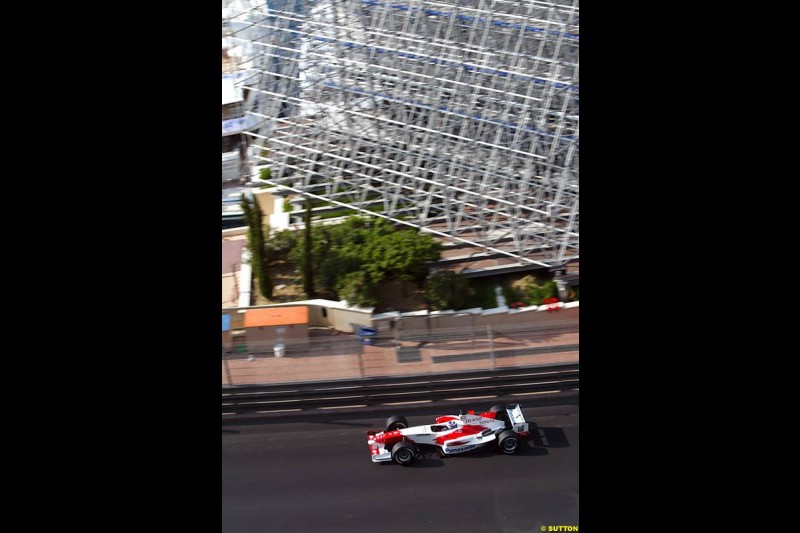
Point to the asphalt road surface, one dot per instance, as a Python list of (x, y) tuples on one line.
[(283, 476)]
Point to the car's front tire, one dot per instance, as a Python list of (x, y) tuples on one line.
[(403, 453), (508, 441)]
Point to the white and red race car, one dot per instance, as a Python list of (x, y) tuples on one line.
[(501, 425)]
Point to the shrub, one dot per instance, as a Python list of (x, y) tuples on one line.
[(278, 245), (447, 290), (482, 293), (537, 291)]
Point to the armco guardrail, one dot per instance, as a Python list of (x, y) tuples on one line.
[(377, 391)]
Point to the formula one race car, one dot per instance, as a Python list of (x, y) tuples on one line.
[(452, 434)]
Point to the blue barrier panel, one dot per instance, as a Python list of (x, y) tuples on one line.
[(367, 335)]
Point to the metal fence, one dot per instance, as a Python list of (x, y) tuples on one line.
[(386, 391), (328, 355)]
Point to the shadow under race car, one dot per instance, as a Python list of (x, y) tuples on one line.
[(451, 434)]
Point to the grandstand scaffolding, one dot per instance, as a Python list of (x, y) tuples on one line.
[(457, 117)]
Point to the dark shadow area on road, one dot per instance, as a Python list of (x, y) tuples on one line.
[(526, 449), (428, 463), (423, 460), (475, 454), (548, 437), (532, 450)]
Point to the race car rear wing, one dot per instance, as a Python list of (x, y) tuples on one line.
[(517, 419)]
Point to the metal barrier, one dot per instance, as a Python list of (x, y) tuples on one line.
[(377, 391)]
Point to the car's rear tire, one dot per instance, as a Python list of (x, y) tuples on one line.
[(403, 453), (396, 422), (501, 414), (508, 441)]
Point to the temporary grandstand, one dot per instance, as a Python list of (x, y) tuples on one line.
[(458, 117)]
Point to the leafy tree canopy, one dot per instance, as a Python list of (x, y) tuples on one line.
[(370, 247), (447, 290)]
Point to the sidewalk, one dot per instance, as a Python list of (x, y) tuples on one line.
[(405, 358)]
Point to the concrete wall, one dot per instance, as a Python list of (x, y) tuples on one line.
[(451, 321), (265, 200), (319, 314), (348, 320), (386, 326), (389, 324), (517, 318), (415, 323), (344, 320)]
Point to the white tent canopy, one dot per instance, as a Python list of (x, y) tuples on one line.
[(230, 93)]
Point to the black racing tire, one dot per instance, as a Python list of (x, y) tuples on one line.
[(403, 453), (502, 414), (508, 442), (396, 422)]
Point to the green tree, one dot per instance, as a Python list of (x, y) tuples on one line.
[(335, 251), (403, 255), (255, 243), (447, 290), (371, 246), (279, 245), (308, 259), (358, 289), (324, 254)]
